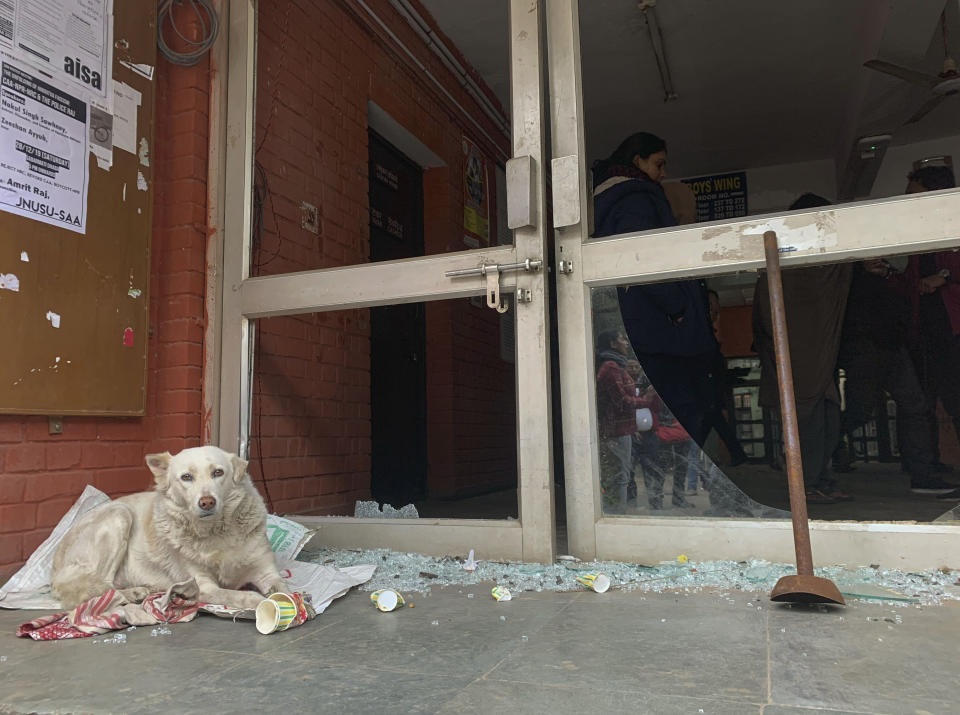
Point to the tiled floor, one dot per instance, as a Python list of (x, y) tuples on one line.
[(540, 653)]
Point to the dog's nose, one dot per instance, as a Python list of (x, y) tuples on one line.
[(207, 503)]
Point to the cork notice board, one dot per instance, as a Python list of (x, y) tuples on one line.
[(74, 326)]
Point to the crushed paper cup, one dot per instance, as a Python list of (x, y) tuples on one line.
[(276, 613), (386, 599), (595, 581), (500, 593)]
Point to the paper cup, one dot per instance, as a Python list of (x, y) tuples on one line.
[(386, 599), (595, 581), (276, 613), (500, 593)]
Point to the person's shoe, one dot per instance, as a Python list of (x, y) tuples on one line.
[(737, 459), (930, 485), (691, 492), (949, 496), (844, 467), (815, 496), (838, 495), (682, 504)]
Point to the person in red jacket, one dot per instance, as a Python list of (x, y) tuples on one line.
[(617, 403)]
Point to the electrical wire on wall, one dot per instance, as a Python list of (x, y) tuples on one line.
[(209, 29)]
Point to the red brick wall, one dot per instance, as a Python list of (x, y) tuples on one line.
[(318, 66), (41, 475)]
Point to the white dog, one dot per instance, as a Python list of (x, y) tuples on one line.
[(204, 519)]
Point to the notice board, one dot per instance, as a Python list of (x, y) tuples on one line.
[(74, 283)]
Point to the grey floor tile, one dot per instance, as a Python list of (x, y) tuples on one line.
[(791, 710), (83, 676), (468, 639), (664, 645), (265, 684), (866, 658), (488, 696)]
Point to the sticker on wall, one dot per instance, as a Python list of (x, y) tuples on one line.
[(54, 318), (101, 137), (24, 257), (128, 338)]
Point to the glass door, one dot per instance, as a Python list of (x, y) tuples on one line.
[(630, 283), (411, 367)]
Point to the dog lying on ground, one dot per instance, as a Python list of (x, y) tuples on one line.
[(204, 519)]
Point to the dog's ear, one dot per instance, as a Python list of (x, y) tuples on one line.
[(158, 464), (239, 467)]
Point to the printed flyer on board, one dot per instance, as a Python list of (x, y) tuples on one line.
[(70, 40), (43, 148)]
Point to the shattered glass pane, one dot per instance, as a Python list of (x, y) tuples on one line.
[(371, 510), (652, 466)]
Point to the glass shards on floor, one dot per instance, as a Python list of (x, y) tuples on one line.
[(419, 573)]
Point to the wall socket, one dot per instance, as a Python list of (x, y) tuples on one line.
[(309, 217)]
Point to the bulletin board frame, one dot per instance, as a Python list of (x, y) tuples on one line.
[(76, 327)]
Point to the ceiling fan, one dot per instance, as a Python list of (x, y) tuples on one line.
[(941, 85)]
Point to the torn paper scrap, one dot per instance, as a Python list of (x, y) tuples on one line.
[(126, 100), (54, 318), (8, 281), (144, 153), (24, 256), (142, 69), (141, 181)]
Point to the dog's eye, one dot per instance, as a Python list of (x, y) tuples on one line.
[(218, 472), (186, 477)]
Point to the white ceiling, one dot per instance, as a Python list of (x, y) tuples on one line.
[(757, 86)]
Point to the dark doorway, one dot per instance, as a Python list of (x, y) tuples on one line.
[(398, 378)]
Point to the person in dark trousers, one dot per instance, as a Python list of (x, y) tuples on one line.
[(932, 283), (814, 299), (667, 323), (875, 358)]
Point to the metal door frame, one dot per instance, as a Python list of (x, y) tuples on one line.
[(862, 230), (246, 298)]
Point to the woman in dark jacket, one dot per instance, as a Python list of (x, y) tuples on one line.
[(668, 323)]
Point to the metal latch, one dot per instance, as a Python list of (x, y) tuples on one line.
[(492, 273)]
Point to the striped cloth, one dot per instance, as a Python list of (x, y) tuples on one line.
[(112, 611)]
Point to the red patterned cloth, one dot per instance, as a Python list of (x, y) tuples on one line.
[(112, 611)]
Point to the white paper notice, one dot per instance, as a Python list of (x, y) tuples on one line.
[(71, 40), (43, 149), (126, 100)]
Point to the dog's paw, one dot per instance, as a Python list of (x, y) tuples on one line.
[(247, 600), (134, 594)]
